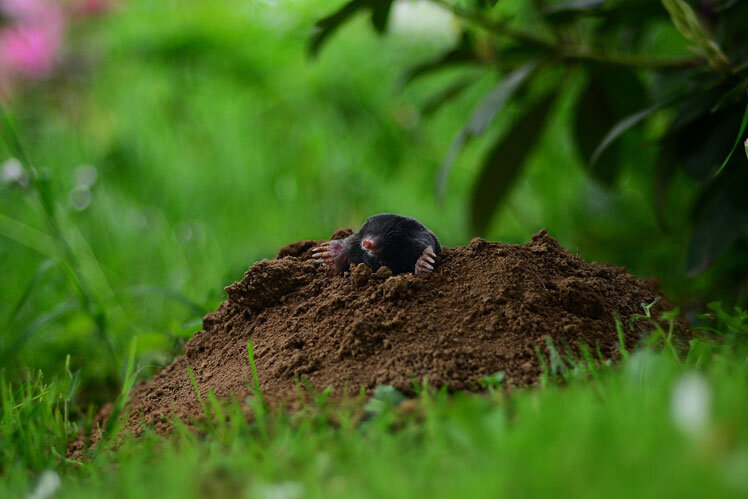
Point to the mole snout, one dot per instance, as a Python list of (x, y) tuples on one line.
[(401, 243), (371, 245)]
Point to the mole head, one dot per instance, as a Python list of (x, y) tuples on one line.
[(381, 234)]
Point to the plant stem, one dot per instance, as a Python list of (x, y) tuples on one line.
[(496, 26), (630, 61), (569, 53)]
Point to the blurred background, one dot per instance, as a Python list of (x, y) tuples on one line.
[(176, 143)]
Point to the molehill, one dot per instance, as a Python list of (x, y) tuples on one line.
[(488, 307)]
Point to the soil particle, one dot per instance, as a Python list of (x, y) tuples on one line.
[(488, 307)]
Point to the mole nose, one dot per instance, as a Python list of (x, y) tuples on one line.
[(370, 245)]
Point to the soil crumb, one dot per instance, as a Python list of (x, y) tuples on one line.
[(488, 307)]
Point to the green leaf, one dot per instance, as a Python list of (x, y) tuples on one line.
[(690, 27), (380, 13), (625, 11), (737, 140), (447, 94), (385, 397), (461, 53), (630, 121), (504, 163), (329, 24), (566, 11), (610, 95), (664, 170), (495, 380), (699, 146), (619, 129), (486, 111), (495, 100), (721, 216)]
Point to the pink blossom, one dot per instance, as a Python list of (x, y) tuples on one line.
[(31, 41), (85, 8)]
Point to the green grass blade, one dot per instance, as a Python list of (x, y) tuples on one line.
[(167, 293), (91, 306), (621, 342), (196, 388), (41, 270), (33, 328), (28, 236), (252, 366), (737, 141), (113, 424)]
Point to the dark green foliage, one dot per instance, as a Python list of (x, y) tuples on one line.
[(701, 94), (504, 163), (611, 94), (485, 113), (380, 11), (462, 53)]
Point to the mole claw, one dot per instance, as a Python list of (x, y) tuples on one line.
[(330, 254), (420, 270), (425, 263)]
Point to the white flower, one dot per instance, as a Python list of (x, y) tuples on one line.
[(12, 172), (79, 198), (281, 490), (48, 483), (85, 176), (419, 17), (690, 403)]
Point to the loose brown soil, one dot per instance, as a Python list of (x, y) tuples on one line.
[(488, 307)]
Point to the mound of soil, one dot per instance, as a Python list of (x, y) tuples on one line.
[(488, 307)]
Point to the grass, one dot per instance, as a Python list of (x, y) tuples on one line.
[(607, 430)]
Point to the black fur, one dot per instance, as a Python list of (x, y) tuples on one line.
[(403, 242)]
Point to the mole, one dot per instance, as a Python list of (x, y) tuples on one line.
[(401, 243)]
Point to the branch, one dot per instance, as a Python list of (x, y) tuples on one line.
[(497, 27), (569, 52), (629, 61)]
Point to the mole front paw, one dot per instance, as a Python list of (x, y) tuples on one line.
[(331, 254), (425, 263)]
